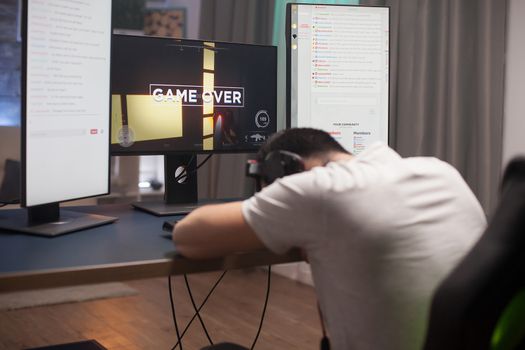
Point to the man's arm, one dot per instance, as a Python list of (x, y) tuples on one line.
[(213, 231)]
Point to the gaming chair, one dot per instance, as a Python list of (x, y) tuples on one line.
[(481, 304)]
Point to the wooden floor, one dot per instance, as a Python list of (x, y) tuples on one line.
[(144, 321)]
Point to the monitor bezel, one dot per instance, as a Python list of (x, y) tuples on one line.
[(23, 114), (289, 60), (123, 152)]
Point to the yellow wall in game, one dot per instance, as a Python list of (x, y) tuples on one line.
[(147, 118), (116, 117), (208, 85)]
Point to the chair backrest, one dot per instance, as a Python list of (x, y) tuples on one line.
[(473, 301), (10, 186)]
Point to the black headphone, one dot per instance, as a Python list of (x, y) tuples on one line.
[(275, 165)]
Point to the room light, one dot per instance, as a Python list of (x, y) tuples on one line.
[(144, 184)]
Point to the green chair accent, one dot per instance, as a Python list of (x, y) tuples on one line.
[(509, 333)]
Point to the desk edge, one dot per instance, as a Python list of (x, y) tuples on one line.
[(52, 278)]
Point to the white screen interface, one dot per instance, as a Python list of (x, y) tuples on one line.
[(340, 72), (67, 99)]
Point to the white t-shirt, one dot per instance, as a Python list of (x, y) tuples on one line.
[(381, 232)]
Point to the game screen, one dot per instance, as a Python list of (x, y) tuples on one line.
[(173, 95)]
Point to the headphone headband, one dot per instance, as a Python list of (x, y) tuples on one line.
[(275, 165)]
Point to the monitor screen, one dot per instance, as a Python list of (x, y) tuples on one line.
[(65, 100), (188, 96), (338, 71)]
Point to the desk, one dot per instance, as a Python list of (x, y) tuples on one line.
[(131, 248)]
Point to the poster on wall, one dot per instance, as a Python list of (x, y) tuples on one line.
[(153, 18), (162, 21)]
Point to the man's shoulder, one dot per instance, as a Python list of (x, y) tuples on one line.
[(432, 164)]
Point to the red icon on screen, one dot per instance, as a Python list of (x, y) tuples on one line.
[(93, 131)]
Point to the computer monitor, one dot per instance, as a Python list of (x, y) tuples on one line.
[(178, 98), (65, 109), (338, 71)]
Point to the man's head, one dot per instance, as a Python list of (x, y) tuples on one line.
[(292, 151), (315, 147)]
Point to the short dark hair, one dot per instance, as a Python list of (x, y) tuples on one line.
[(305, 142)]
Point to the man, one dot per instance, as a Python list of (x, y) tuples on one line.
[(380, 233)]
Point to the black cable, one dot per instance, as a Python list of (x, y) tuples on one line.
[(264, 308), (204, 161), (184, 173), (179, 338), (325, 342), (3, 205), (199, 308), (195, 308)]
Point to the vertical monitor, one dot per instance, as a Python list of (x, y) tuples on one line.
[(191, 96), (338, 71), (66, 100)]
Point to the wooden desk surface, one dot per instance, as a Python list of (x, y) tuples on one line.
[(130, 248)]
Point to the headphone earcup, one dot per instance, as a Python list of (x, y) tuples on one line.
[(278, 164)]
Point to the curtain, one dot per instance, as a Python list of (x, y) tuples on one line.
[(244, 21), (447, 61)]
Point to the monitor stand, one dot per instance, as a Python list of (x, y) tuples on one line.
[(180, 196), (49, 220)]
